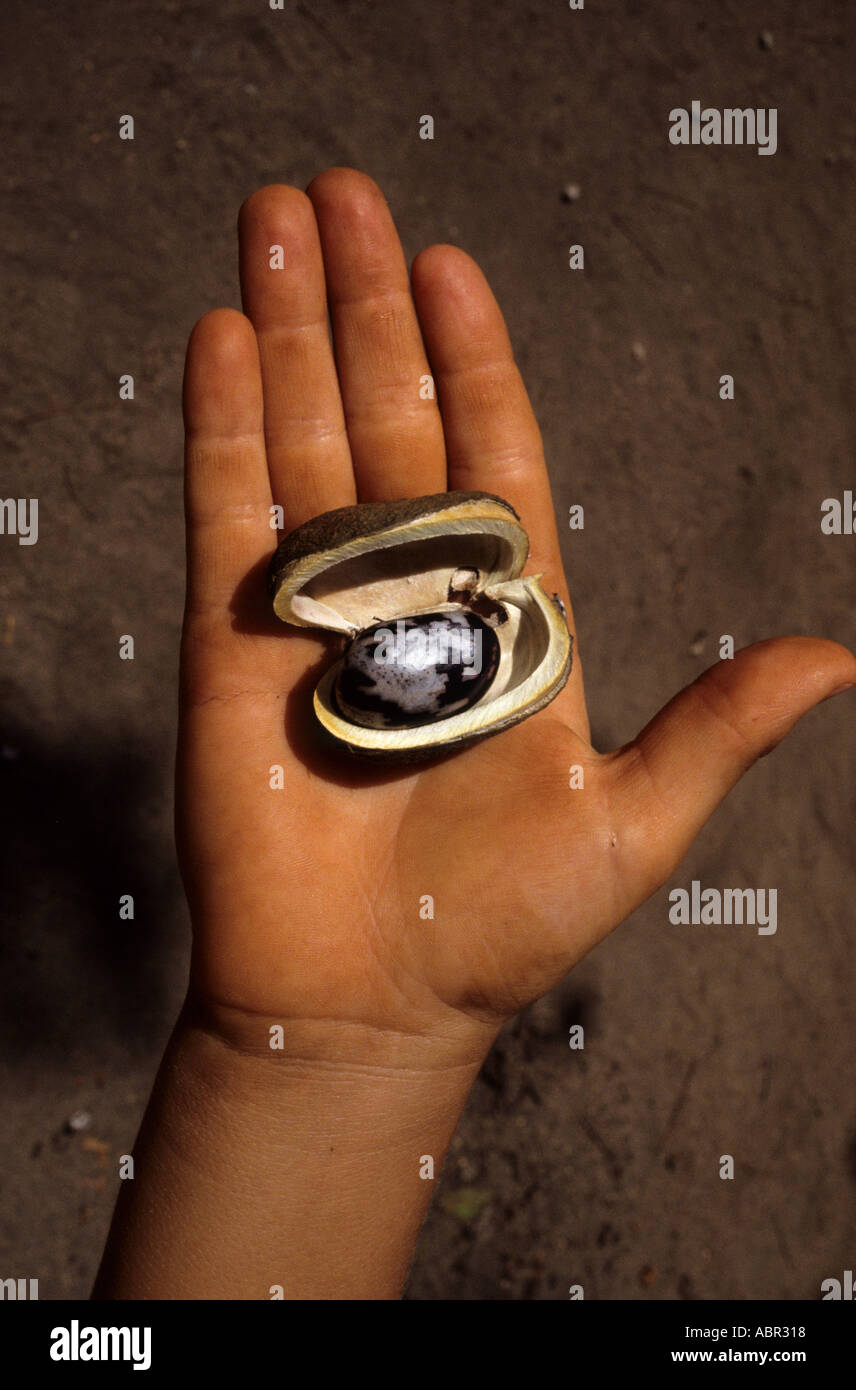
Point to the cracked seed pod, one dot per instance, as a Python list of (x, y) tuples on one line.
[(447, 643)]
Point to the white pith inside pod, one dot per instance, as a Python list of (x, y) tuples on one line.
[(372, 563)]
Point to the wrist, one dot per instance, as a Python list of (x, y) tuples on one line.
[(330, 1083), (301, 1167), (283, 1041)]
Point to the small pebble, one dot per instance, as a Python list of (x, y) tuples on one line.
[(640, 352), (571, 192), (765, 40), (696, 646), (81, 1119)]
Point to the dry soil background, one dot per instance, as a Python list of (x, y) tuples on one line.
[(701, 517)]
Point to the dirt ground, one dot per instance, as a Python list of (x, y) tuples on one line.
[(702, 517)]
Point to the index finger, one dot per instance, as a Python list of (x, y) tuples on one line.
[(493, 442)]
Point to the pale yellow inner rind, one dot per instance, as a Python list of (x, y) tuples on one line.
[(403, 570)]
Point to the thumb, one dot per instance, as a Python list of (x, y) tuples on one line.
[(670, 780)]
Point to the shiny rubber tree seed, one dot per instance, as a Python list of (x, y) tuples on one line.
[(411, 671)]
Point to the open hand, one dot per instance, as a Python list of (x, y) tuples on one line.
[(306, 900)]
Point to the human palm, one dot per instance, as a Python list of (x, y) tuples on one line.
[(402, 899)]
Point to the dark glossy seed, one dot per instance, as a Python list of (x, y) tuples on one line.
[(412, 671)]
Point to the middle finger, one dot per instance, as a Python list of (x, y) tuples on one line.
[(394, 426), (307, 444)]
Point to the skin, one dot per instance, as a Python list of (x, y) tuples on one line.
[(299, 1166)]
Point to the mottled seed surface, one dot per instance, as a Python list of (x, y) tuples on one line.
[(413, 671)]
